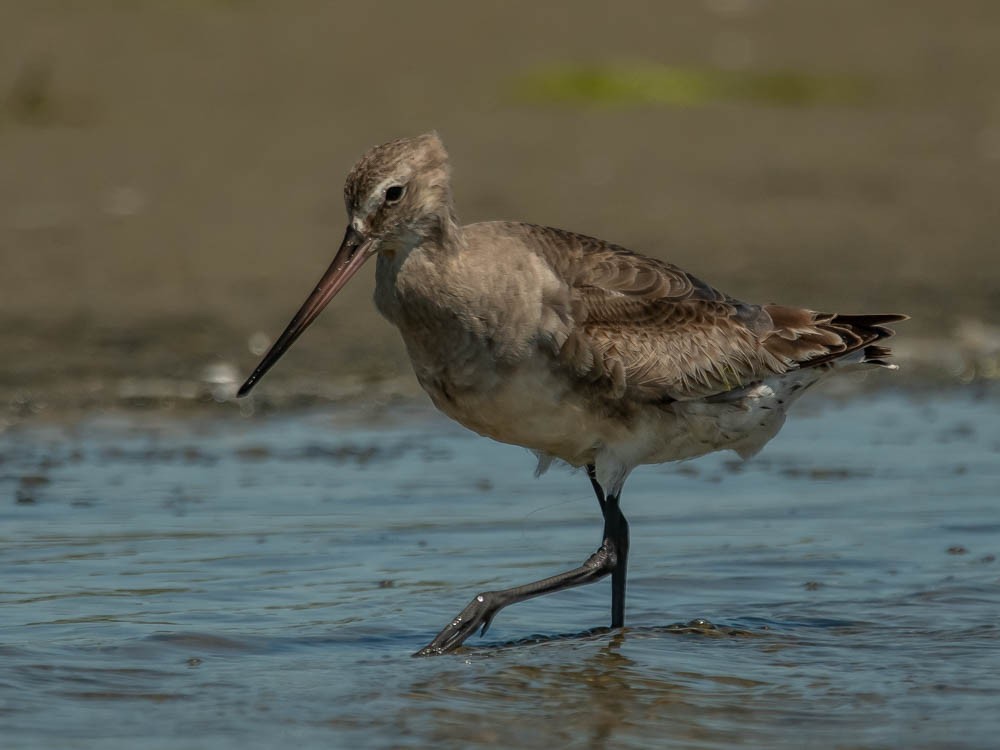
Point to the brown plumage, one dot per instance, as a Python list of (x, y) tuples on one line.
[(573, 347), (652, 331)]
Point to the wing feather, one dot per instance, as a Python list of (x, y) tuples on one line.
[(649, 330)]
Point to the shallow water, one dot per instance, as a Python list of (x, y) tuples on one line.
[(227, 582)]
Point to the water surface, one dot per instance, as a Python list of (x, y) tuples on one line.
[(227, 582)]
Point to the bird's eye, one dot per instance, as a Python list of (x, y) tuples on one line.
[(394, 193)]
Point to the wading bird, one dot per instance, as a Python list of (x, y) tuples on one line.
[(573, 347)]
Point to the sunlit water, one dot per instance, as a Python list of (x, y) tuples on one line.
[(229, 582)]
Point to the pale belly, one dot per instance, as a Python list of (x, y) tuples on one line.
[(533, 407), (530, 409)]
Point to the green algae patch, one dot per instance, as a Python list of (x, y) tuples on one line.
[(651, 84)]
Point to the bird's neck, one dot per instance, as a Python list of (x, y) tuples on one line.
[(440, 229), (423, 249)]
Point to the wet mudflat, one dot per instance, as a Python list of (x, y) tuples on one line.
[(219, 581)]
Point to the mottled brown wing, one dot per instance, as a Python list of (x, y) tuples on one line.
[(652, 331), (648, 328)]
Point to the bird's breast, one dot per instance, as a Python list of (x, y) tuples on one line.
[(462, 316)]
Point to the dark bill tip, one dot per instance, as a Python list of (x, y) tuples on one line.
[(353, 252), (247, 386)]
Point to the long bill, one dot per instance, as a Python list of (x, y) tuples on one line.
[(353, 252)]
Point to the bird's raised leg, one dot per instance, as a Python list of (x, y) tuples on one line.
[(610, 558)]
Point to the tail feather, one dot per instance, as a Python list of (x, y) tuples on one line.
[(804, 338), (877, 355)]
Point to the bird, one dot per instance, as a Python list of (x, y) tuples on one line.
[(578, 349)]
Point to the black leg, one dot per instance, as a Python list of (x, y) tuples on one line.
[(616, 529), (598, 490), (610, 557)]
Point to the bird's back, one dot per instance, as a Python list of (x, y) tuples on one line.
[(647, 330)]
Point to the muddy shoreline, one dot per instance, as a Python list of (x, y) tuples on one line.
[(172, 173)]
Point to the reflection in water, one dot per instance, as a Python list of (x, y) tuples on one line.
[(588, 692), (586, 699)]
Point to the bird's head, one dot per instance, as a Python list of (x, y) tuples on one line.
[(400, 192), (397, 195)]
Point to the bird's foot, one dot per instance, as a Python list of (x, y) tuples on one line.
[(476, 616)]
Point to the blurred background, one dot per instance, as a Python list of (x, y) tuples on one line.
[(171, 174)]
